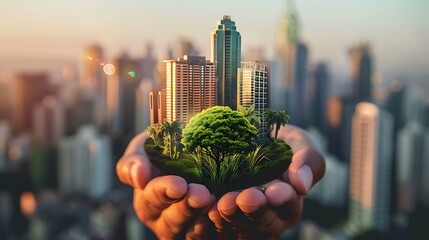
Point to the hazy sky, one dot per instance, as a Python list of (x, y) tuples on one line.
[(40, 33)]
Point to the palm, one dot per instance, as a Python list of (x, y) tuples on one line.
[(172, 130), (251, 114), (279, 118)]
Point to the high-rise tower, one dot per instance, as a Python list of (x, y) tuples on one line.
[(287, 42), (370, 168), (226, 54), (361, 72), (191, 87), (253, 88)]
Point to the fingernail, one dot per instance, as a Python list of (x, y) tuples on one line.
[(134, 173), (172, 194), (306, 177)]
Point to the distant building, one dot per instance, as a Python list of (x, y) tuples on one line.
[(319, 99), (299, 111), (148, 65), (158, 109), (5, 135), (370, 169), (361, 72), (85, 164), (191, 87), (339, 115), (186, 47), (410, 148), (94, 77), (5, 103), (253, 88), (425, 170), (226, 55), (121, 89), (288, 37), (29, 90), (331, 191), (49, 121), (143, 111)]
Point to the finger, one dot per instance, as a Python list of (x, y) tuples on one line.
[(227, 206), (180, 215), (283, 198), (306, 169), (264, 221), (222, 228), (136, 144), (134, 168), (307, 166), (158, 195), (252, 202), (201, 228)]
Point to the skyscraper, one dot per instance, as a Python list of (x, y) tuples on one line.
[(253, 88), (191, 87), (226, 55), (121, 102), (319, 102), (93, 75), (361, 72), (409, 165), (287, 42), (370, 169), (29, 89), (49, 121), (85, 164), (299, 109)]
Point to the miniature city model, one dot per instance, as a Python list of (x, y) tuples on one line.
[(211, 121)]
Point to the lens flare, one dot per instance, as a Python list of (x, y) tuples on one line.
[(109, 69), (132, 74)]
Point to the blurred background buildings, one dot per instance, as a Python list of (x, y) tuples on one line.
[(64, 124)]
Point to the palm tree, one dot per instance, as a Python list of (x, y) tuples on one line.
[(250, 114), (152, 133), (269, 119), (280, 118), (158, 132), (172, 131)]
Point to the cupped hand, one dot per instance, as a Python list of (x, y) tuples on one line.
[(169, 206), (256, 214)]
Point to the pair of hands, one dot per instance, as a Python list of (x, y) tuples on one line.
[(175, 209)]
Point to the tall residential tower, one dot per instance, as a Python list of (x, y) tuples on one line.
[(253, 88), (370, 168), (191, 87)]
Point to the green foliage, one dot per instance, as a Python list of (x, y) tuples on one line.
[(219, 132), (251, 115), (279, 118), (155, 132)]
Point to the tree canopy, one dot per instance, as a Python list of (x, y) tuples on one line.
[(219, 132)]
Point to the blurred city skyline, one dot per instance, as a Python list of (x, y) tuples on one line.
[(31, 40)]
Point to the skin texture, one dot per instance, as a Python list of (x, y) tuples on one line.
[(174, 209)]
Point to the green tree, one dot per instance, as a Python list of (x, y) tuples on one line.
[(219, 132), (279, 118), (172, 133), (250, 113)]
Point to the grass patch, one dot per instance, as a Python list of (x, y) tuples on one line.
[(238, 171)]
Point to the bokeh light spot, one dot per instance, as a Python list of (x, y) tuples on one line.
[(109, 69)]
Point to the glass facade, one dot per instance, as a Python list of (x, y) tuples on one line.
[(226, 54)]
